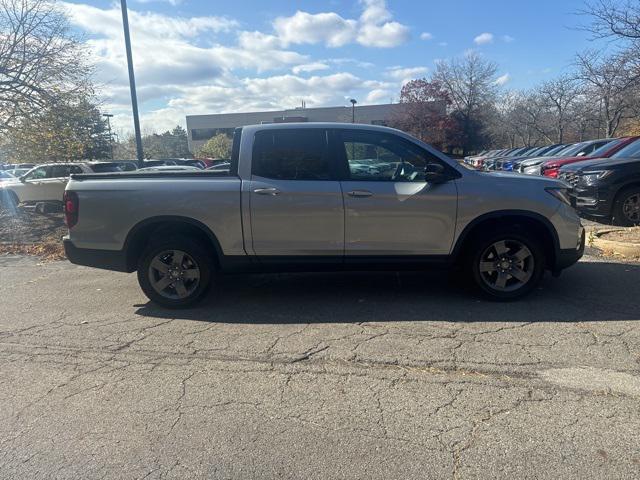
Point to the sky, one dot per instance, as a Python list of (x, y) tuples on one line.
[(213, 56)]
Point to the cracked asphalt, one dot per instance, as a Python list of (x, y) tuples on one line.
[(372, 375)]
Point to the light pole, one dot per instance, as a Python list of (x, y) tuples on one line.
[(132, 83), (353, 110), (108, 117)]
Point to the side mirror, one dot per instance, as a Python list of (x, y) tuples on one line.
[(434, 173), (23, 178)]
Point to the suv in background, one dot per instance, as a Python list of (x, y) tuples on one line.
[(607, 188), (552, 167), (46, 183)]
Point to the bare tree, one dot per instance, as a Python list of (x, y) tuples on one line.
[(470, 84), (613, 82), (557, 97), (609, 18), (40, 61)]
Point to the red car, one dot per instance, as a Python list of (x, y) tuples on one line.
[(551, 169)]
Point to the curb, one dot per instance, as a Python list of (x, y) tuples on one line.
[(626, 249)]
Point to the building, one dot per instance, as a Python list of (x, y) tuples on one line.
[(203, 127)]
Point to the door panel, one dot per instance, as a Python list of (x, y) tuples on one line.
[(390, 208), (296, 204), (399, 218), (290, 217)]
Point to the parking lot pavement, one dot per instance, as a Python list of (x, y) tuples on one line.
[(374, 375)]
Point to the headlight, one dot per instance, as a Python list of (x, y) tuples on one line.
[(561, 193), (589, 179)]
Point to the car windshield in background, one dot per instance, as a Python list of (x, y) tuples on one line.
[(5, 175), (555, 150), (630, 151), (572, 150), (598, 152)]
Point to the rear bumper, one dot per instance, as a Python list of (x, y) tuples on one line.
[(106, 259), (568, 256)]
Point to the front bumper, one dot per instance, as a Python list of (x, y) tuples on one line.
[(106, 259), (592, 201), (569, 256)]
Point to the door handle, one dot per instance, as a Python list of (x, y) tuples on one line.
[(267, 191), (360, 193)]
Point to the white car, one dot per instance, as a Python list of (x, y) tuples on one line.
[(46, 183)]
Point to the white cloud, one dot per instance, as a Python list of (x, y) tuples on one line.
[(507, 38), (379, 95), (374, 28), (426, 36), (405, 74), (503, 79), (443, 44), (188, 65), (309, 67), (484, 39)]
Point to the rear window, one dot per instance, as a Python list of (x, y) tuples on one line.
[(295, 154)]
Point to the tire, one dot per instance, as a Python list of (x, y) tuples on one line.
[(496, 256), (182, 260), (626, 209)]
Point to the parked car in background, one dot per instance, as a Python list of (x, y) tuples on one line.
[(607, 189), (551, 168), (127, 165), (18, 172), (6, 175), (507, 163), (287, 203), (533, 166), (168, 168), (189, 162), (46, 183)]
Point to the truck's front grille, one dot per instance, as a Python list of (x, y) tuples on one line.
[(569, 177)]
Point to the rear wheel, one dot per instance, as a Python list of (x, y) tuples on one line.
[(507, 265), (626, 211), (175, 272)]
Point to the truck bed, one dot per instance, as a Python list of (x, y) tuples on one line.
[(138, 176)]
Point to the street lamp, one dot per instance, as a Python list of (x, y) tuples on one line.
[(353, 110), (132, 83), (108, 116)]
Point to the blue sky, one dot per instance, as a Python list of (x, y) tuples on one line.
[(197, 56)]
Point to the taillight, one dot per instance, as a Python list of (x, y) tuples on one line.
[(71, 207), (551, 172)]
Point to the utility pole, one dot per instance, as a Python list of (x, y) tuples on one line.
[(108, 117), (353, 110), (132, 83)]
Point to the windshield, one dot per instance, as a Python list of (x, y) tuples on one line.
[(571, 150), (599, 152), (630, 151), (6, 175), (555, 150)]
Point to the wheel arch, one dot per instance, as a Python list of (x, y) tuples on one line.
[(531, 221), (140, 234)]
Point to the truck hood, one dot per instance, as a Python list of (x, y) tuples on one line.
[(518, 177)]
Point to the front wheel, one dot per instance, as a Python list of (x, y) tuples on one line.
[(175, 272), (507, 265), (627, 208)]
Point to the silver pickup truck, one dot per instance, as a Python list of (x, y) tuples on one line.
[(308, 197)]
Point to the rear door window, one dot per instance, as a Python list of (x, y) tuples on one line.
[(291, 154)]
